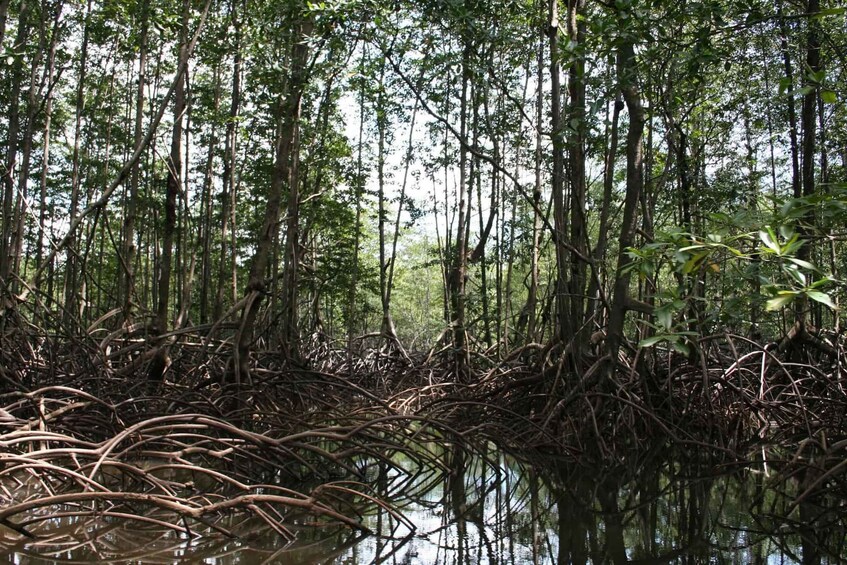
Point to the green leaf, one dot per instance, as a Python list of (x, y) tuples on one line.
[(665, 318), (680, 347), (784, 85), (821, 297), (651, 341), (802, 263), (786, 231), (792, 245), (802, 91), (768, 238), (829, 12), (828, 97), (694, 262), (821, 282), (780, 301), (795, 274), (816, 77)]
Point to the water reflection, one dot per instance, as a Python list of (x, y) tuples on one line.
[(486, 507)]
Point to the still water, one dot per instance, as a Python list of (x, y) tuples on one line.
[(488, 508)]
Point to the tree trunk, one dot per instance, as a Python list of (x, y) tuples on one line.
[(596, 289), (285, 173), (45, 154), (576, 157), (389, 333), (10, 215), (808, 122), (228, 183), (459, 270), (562, 326), (131, 213), (358, 188), (173, 189), (4, 14), (206, 207), (627, 70), (792, 112), (532, 296)]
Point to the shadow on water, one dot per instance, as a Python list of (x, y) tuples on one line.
[(485, 506)]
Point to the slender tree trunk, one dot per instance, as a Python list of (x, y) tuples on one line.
[(825, 185), (291, 144), (627, 70), (4, 14), (206, 207), (132, 202), (486, 225), (228, 184), (576, 158), (447, 250), (562, 325), (596, 289), (359, 187), (393, 261), (752, 205), (382, 123), (532, 296), (173, 187), (808, 122), (34, 105), (459, 271), (45, 155), (285, 172), (792, 112), (10, 216), (769, 121)]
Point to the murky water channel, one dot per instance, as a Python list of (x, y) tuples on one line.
[(491, 509)]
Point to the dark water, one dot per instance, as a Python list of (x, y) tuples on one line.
[(651, 508)]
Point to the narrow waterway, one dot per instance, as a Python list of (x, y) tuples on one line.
[(487, 508)]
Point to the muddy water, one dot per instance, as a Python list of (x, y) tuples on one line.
[(488, 508)]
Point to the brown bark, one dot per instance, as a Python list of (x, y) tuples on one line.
[(459, 269), (562, 326), (229, 162), (808, 122), (579, 332), (131, 211), (173, 185), (595, 289), (285, 173), (10, 212), (627, 70), (45, 152)]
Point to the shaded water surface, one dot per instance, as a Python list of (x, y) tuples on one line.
[(488, 508)]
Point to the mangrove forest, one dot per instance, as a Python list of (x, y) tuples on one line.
[(423, 281)]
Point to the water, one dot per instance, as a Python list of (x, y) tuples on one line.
[(487, 508)]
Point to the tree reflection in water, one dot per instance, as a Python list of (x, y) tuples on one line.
[(486, 507)]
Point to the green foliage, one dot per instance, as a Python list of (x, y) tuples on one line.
[(769, 258), (798, 274)]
